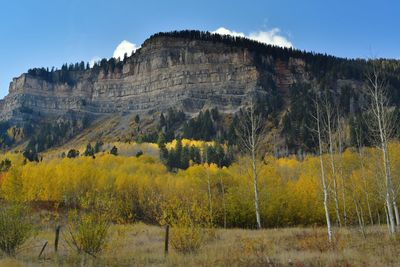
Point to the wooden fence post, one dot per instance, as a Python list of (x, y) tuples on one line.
[(57, 238), (166, 240), (41, 252)]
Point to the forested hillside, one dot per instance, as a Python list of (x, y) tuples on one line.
[(283, 83)]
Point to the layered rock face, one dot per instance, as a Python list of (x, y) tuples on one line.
[(189, 71), (166, 72)]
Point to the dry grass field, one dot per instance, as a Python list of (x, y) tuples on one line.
[(143, 245)]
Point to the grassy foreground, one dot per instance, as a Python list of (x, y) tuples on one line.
[(143, 245)]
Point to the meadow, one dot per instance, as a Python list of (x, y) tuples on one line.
[(113, 210), (143, 245)]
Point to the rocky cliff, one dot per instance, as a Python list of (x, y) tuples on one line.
[(189, 71), (166, 72)]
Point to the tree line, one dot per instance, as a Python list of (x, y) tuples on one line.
[(289, 190)]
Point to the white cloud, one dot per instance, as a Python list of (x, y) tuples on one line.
[(225, 31), (94, 60), (125, 47), (271, 37)]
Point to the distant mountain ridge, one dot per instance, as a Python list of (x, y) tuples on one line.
[(186, 70)]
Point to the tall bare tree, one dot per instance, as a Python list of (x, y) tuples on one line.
[(250, 132), (325, 185), (340, 133), (360, 214), (382, 125), (328, 117)]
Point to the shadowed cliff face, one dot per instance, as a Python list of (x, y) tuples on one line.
[(167, 72)]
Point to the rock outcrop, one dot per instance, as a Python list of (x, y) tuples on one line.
[(189, 71), (166, 72)]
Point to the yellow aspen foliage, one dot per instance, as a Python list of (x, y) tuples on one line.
[(141, 188), (189, 142)]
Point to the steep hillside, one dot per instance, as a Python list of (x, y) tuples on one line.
[(190, 71)]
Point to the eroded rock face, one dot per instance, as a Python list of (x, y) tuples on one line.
[(167, 72), (189, 71)]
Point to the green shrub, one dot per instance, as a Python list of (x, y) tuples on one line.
[(88, 232), (15, 228)]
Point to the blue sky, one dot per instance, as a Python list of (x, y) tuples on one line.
[(51, 32)]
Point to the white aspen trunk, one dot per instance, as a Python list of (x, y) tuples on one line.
[(323, 181), (360, 221), (254, 164), (388, 221), (326, 206), (341, 173), (389, 186), (251, 134), (333, 167), (378, 102), (371, 218), (256, 199), (344, 199), (396, 210), (362, 215), (365, 186)]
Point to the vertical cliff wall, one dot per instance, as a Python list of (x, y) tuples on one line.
[(166, 72), (189, 71)]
